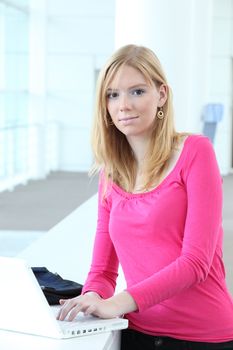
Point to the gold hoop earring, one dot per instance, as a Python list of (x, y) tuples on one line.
[(160, 114)]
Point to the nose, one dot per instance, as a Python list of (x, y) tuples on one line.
[(124, 103)]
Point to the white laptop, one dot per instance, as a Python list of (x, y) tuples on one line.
[(24, 308)]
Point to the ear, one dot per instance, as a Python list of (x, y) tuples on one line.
[(163, 91)]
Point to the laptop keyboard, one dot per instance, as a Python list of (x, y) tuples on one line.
[(83, 321)]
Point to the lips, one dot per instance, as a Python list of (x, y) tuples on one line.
[(127, 118)]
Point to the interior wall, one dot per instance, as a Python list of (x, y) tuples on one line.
[(193, 40), (79, 39), (221, 78), (179, 33)]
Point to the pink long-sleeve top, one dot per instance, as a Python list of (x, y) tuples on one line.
[(169, 244)]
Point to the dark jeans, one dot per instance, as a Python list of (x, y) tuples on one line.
[(133, 340)]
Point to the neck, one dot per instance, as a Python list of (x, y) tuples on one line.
[(139, 146)]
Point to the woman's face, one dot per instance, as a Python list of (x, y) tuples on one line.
[(132, 102)]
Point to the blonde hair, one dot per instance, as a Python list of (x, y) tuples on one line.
[(112, 152)]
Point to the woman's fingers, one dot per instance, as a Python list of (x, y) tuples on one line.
[(66, 307), (90, 310), (74, 311), (71, 307), (61, 302)]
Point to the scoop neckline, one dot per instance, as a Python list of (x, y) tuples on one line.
[(162, 183)]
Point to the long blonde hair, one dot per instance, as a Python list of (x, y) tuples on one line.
[(112, 152)]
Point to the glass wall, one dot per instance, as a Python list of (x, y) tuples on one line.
[(14, 91)]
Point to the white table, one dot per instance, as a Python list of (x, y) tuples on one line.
[(104, 341), (67, 250)]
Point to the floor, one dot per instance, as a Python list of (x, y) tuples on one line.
[(41, 204), (29, 211)]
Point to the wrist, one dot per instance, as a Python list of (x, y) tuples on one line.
[(93, 294), (125, 303)]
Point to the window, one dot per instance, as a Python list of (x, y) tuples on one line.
[(14, 92)]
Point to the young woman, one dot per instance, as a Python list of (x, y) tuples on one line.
[(159, 216)]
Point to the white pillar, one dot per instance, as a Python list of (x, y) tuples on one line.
[(179, 33), (37, 88), (2, 65)]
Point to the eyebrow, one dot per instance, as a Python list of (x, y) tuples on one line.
[(131, 87)]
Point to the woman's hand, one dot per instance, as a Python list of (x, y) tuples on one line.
[(92, 304), (71, 307)]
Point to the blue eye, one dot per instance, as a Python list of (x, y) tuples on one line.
[(138, 92), (112, 95)]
